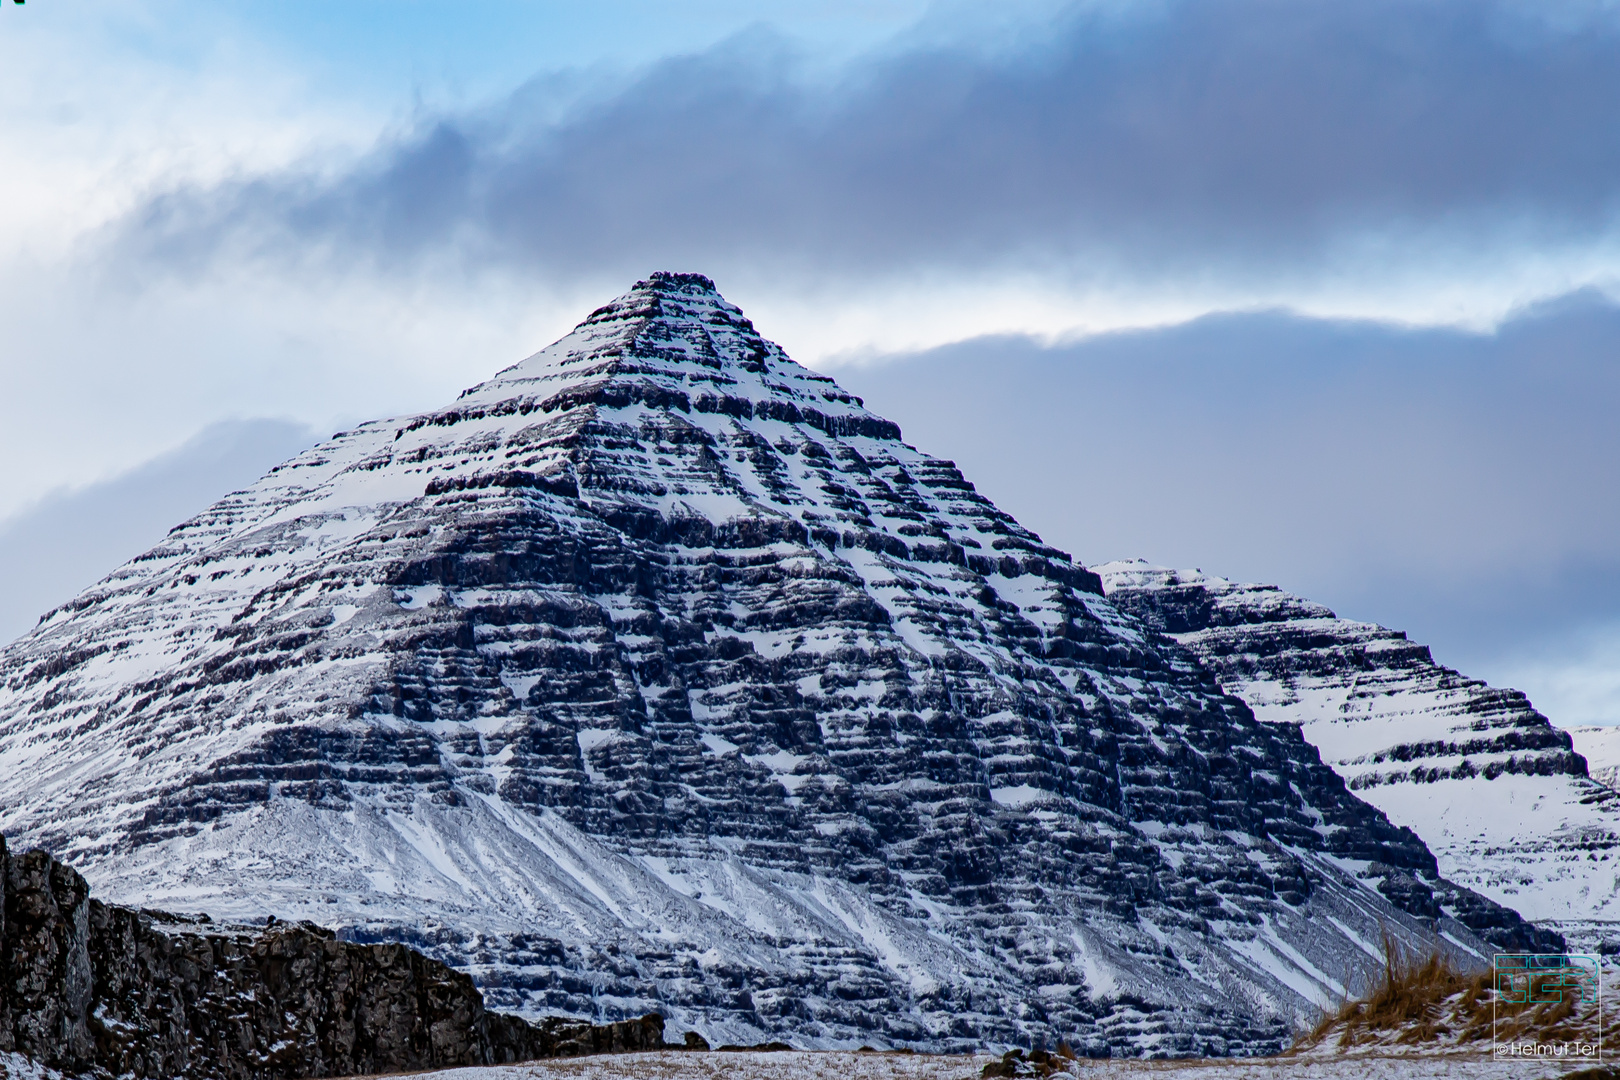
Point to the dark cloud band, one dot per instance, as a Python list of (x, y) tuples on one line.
[(1246, 133)]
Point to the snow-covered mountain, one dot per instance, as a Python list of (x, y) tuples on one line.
[(1600, 746), (1494, 789), (656, 672)]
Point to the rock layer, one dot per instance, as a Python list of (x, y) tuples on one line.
[(90, 988), (656, 672), (1495, 790)]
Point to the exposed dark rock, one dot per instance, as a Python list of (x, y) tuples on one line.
[(89, 988), (1035, 1063)]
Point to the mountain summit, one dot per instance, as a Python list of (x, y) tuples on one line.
[(658, 673)]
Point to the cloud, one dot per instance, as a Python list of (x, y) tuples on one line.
[(71, 539), (1427, 162), (1066, 170), (1575, 676), (1249, 139), (1463, 487)]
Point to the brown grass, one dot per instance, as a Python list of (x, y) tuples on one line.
[(1415, 999), (1424, 998)]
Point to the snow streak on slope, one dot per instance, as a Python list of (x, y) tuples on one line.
[(657, 672), (1493, 788)]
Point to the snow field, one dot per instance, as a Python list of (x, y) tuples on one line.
[(837, 1065)]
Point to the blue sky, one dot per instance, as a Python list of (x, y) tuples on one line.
[(1299, 291)]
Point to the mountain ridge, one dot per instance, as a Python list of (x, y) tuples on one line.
[(657, 672), (1498, 792)]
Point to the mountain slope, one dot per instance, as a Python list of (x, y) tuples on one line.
[(657, 672), (1495, 790), (1600, 746)]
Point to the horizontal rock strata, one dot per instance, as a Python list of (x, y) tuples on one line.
[(657, 673), (1497, 792)]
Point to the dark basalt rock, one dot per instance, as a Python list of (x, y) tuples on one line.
[(1036, 1063), (90, 988)]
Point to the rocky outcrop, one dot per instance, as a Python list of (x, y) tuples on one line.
[(658, 673), (87, 987), (1496, 791)]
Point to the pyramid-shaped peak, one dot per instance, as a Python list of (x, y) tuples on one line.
[(669, 297), (658, 615), (671, 339), (665, 294), (668, 282)]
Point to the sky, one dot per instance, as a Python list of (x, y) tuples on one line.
[(1320, 294)]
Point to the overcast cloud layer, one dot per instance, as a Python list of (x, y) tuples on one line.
[(1245, 140)]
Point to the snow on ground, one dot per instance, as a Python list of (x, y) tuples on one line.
[(1339, 1067), (812, 1065), (734, 1065)]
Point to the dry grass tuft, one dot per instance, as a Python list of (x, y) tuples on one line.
[(1416, 999), (1424, 999)]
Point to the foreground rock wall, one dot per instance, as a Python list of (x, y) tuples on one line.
[(89, 987)]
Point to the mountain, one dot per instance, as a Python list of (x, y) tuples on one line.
[(1496, 791), (1600, 746), (656, 673)]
